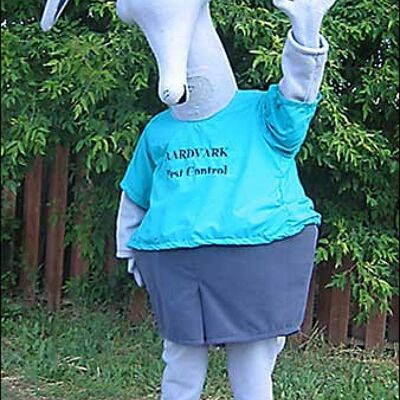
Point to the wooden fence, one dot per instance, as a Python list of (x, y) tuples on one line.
[(330, 309)]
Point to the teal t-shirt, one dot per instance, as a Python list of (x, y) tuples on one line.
[(230, 179)]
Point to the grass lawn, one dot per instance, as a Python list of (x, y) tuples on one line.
[(83, 353)]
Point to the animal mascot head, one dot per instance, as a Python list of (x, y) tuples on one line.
[(195, 76)]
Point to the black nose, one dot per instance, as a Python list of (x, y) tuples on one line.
[(184, 97)]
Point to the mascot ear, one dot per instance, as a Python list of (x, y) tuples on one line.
[(52, 11)]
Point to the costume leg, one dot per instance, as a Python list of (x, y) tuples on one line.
[(185, 371), (250, 367)]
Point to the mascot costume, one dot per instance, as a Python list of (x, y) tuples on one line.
[(213, 217)]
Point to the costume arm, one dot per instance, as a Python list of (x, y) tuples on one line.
[(128, 221), (289, 107), (305, 52), (303, 69)]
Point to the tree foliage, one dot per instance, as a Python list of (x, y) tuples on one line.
[(91, 83)]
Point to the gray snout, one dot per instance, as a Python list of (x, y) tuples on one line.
[(173, 95)]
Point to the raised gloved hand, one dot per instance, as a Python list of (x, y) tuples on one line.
[(132, 269), (306, 18)]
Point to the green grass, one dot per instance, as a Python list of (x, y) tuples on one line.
[(83, 353)]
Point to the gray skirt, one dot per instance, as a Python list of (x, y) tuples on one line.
[(223, 294)]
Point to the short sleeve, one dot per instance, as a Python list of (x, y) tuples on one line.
[(286, 120), (137, 181)]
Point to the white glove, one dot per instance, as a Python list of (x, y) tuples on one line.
[(306, 18), (132, 269)]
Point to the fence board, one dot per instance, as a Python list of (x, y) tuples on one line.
[(375, 329), (393, 321), (79, 266), (31, 230), (9, 202), (339, 316), (357, 330), (110, 262), (307, 324), (309, 316), (333, 305), (324, 298), (138, 307), (54, 262)]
